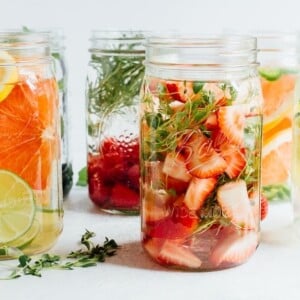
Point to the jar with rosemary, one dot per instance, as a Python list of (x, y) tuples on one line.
[(113, 85), (201, 122)]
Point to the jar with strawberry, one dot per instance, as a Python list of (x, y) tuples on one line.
[(113, 85), (201, 127)]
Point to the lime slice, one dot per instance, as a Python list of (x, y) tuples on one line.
[(8, 74), (270, 74), (17, 207), (26, 238)]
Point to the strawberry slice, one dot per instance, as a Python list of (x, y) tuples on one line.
[(198, 191), (179, 224), (173, 253), (153, 246), (204, 161), (235, 204), (264, 207), (174, 166), (232, 122), (211, 122), (234, 248), (216, 91), (181, 91), (123, 197), (235, 160)]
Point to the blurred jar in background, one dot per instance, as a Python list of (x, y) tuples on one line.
[(113, 85), (279, 65)]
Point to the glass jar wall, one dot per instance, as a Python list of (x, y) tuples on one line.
[(112, 91), (30, 177), (201, 119)]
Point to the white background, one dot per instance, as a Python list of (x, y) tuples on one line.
[(78, 17)]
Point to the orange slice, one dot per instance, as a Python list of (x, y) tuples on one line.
[(28, 131)]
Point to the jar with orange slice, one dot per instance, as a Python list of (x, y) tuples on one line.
[(30, 175), (279, 62)]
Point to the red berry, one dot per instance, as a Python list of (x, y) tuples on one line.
[(99, 192), (264, 207), (134, 176), (123, 197)]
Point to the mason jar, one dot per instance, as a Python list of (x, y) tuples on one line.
[(30, 174), (279, 74), (201, 126), (113, 84), (57, 46)]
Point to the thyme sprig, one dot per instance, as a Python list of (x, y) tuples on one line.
[(88, 256)]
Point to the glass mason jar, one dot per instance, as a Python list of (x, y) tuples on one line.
[(58, 53), (114, 80), (279, 66), (201, 120), (30, 177)]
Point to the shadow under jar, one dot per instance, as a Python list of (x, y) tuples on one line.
[(201, 123), (113, 85)]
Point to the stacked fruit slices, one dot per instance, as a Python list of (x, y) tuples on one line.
[(199, 191)]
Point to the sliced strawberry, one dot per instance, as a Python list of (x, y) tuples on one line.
[(153, 213), (198, 191), (176, 185), (235, 160), (153, 246), (174, 166), (123, 197), (235, 204), (234, 248), (232, 122), (173, 253), (211, 122), (181, 91), (218, 139), (176, 105), (264, 207), (204, 161), (134, 176), (179, 224)]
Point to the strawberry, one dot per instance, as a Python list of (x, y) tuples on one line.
[(218, 139), (123, 197), (211, 122), (99, 192), (235, 159), (134, 176), (180, 223), (174, 166), (173, 253), (176, 185), (234, 247), (181, 91), (235, 204), (153, 213), (153, 246), (204, 161), (264, 207), (198, 191), (231, 122)]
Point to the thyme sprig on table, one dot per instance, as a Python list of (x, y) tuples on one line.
[(85, 257)]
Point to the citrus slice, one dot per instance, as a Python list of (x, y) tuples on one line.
[(276, 158), (270, 74), (8, 74), (27, 237), (29, 131), (17, 207)]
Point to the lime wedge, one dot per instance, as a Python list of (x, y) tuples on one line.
[(24, 240), (271, 74), (17, 207), (8, 74)]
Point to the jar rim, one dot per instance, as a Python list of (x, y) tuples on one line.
[(122, 35)]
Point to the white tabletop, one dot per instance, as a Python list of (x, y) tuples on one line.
[(272, 273)]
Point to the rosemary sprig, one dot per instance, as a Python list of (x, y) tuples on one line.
[(88, 256)]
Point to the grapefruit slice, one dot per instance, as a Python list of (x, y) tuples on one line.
[(28, 131), (276, 158)]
